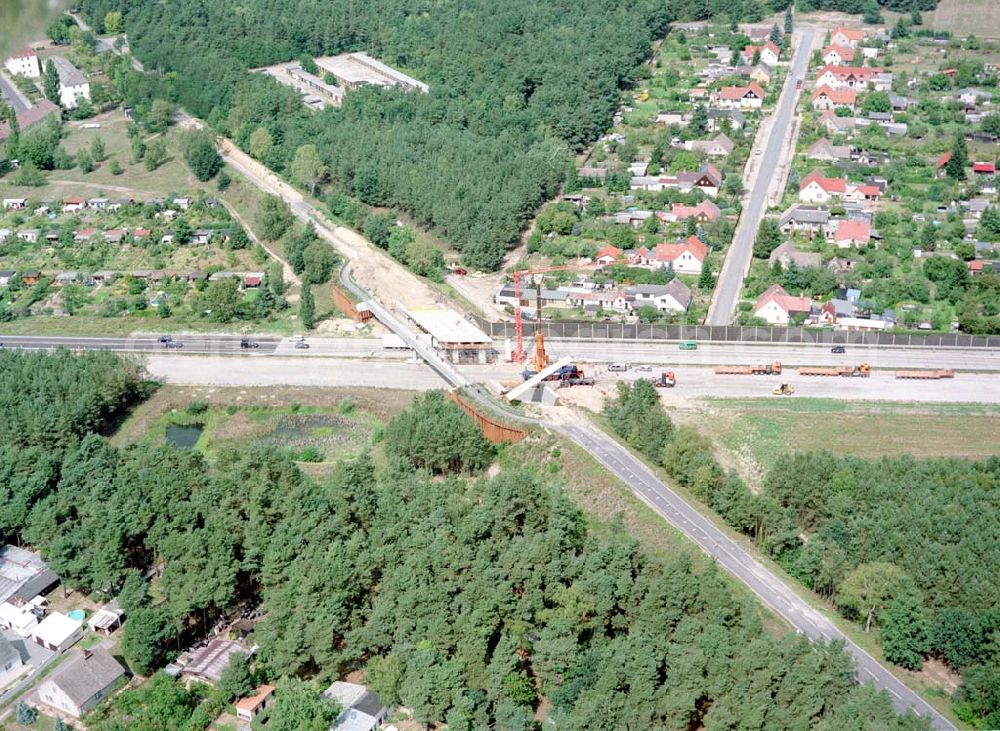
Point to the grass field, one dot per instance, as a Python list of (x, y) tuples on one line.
[(980, 18), (751, 434)]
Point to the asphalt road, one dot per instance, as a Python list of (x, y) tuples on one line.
[(771, 590), (730, 282), (11, 94), (198, 344)]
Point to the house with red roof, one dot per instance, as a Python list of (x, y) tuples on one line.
[(849, 37), (816, 188), (24, 63), (976, 266), (984, 168), (750, 96), (769, 53), (845, 77), (40, 112), (838, 55), (73, 204), (826, 98), (777, 307), (680, 212), (247, 709), (852, 233), (607, 255), (686, 257), (84, 234), (941, 162)]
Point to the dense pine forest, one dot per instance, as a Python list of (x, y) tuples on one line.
[(473, 600), (908, 548), (516, 87)]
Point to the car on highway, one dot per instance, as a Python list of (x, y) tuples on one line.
[(688, 345), (838, 349), (173, 344), (165, 338), (247, 343), (297, 338), (643, 369), (301, 345)]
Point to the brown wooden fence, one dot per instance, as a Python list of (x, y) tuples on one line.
[(495, 432), (346, 305)]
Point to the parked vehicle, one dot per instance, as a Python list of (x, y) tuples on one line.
[(617, 367), (301, 345), (926, 375), (173, 345), (688, 345), (838, 349), (761, 369), (247, 343), (165, 338), (860, 371), (665, 380), (643, 369), (785, 389), (459, 271)]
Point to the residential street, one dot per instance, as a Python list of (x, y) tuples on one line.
[(737, 263), (13, 95)]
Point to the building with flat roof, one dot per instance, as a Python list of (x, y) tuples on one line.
[(354, 70), (23, 574), (461, 340), (206, 664)]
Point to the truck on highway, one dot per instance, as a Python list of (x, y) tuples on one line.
[(862, 370), (761, 369), (926, 375), (666, 379), (392, 341)]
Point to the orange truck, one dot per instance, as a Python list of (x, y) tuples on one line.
[(926, 375), (860, 371), (763, 369)]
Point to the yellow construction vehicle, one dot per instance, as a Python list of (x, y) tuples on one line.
[(785, 389)]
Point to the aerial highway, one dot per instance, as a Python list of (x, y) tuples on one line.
[(771, 590), (189, 344), (737, 263)]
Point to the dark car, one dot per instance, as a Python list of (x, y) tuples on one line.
[(173, 345), (246, 343), (459, 271), (165, 338), (838, 349), (301, 345)]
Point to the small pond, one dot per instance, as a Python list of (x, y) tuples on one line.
[(184, 437)]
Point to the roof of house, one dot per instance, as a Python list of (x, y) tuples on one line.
[(845, 52), (110, 614), (57, 627), (801, 258), (208, 662), (804, 214), (613, 251), (853, 34), (30, 117), (777, 294), (252, 703), (86, 675), (984, 167), (23, 53), (69, 75), (837, 96), (850, 230), (7, 652), (734, 93), (824, 148), (23, 575), (830, 185), (843, 72), (353, 695), (869, 191)]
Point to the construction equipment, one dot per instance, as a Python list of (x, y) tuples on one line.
[(862, 370), (926, 375), (762, 369), (570, 370), (665, 380), (785, 389)]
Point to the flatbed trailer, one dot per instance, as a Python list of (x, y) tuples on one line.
[(761, 369), (860, 371), (926, 375)]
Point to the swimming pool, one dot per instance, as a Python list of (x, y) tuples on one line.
[(77, 615)]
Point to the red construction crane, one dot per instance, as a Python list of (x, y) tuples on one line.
[(518, 356)]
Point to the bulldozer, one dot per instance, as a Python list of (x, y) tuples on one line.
[(785, 389)]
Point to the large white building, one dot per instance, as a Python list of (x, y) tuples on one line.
[(73, 85), (24, 63)]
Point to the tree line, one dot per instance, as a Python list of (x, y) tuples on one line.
[(908, 548), (516, 87), (474, 600)]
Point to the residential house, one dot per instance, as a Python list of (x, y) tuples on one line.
[(182, 203), (824, 150), (776, 307), (206, 664), (608, 255), (201, 236), (97, 204), (973, 97), (51, 236), (14, 204), (809, 221), (718, 147), (769, 53), (697, 94), (640, 167), (750, 96), (976, 207), (19, 618), (845, 77), (707, 179), (252, 280), (788, 254), (592, 172), (834, 125), (73, 85), (838, 55), (80, 684), (247, 709), (84, 234), (684, 258), (362, 709), (762, 74), (899, 103), (58, 632), (140, 233), (24, 63), (852, 233), (634, 217), (114, 235), (719, 119), (826, 98), (870, 158), (816, 188), (882, 81), (984, 169), (675, 296), (668, 119), (10, 662), (679, 212), (105, 276), (29, 118), (31, 277), (64, 278), (73, 204), (758, 33), (849, 37), (29, 234)]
